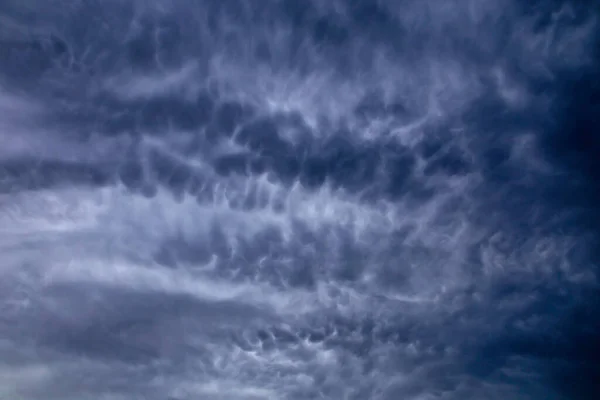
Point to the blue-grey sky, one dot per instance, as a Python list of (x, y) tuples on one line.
[(299, 199)]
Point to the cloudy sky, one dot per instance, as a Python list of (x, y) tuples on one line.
[(299, 199)]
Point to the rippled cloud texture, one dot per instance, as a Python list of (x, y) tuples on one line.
[(286, 199)]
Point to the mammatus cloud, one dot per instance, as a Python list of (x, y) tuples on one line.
[(298, 200)]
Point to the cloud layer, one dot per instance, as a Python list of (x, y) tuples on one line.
[(298, 200)]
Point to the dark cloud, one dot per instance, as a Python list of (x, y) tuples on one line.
[(292, 200)]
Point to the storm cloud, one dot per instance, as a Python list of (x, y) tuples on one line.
[(284, 199)]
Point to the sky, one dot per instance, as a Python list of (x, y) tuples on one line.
[(299, 199)]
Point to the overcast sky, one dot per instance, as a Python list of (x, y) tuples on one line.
[(286, 199)]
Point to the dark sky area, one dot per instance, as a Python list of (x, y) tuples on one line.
[(299, 199)]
